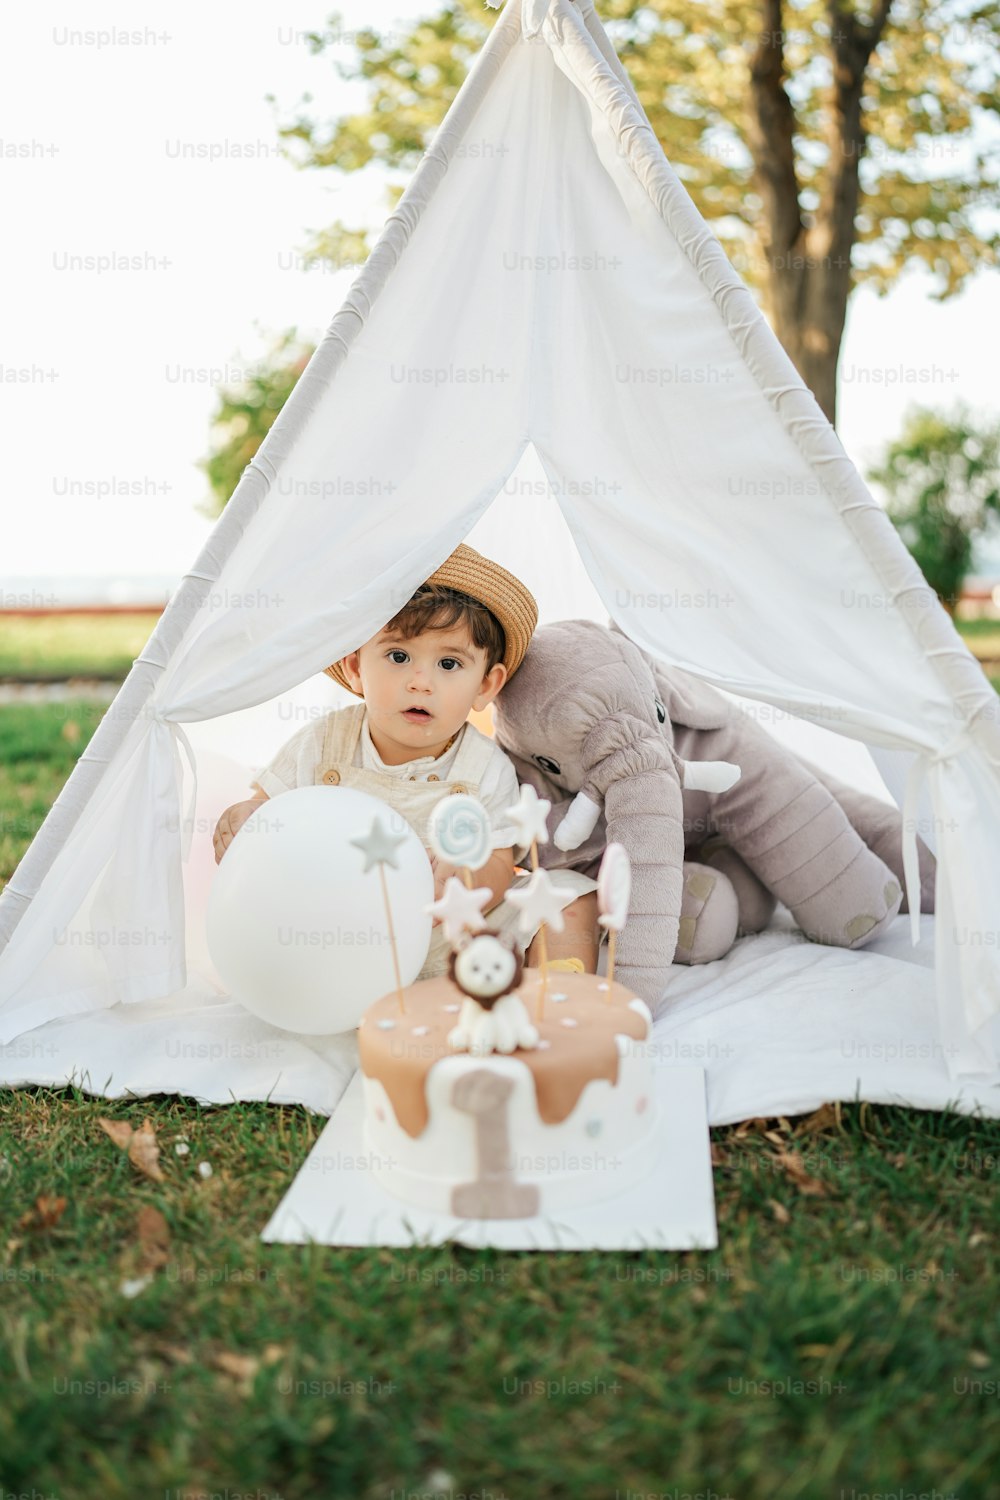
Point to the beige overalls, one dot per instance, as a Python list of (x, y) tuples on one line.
[(414, 800)]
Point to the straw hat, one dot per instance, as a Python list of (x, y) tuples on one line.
[(469, 572)]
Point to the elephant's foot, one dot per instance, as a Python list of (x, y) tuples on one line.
[(756, 903), (854, 908), (709, 916)]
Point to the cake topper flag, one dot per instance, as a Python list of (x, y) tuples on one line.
[(528, 816), (460, 833), (459, 908), (540, 902), (379, 848), (614, 890)]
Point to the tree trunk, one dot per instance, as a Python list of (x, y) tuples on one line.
[(809, 255)]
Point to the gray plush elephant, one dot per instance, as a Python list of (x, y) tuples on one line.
[(615, 740)]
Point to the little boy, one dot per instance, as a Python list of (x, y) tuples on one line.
[(448, 651)]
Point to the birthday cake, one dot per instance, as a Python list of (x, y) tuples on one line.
[(495, 1093), (565, 1117)]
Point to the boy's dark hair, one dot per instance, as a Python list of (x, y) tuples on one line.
[(436, 607)]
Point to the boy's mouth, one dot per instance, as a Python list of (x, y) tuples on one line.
[(417, 715)]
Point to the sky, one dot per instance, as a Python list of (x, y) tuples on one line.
[(109, 375)]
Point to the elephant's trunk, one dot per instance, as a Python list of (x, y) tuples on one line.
[(645, 813)]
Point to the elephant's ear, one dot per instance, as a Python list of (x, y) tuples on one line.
[(686, 699)]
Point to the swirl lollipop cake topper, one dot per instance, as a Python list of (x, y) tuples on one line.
[(460, 833)]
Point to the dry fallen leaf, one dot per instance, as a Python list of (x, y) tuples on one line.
[(120, 1131), (242, 1367), (154, 1237), (175, 1353), (45, 1215), (143, 1151), (780, 1212), (794, 1167), (827, 1117), (979, 1359)]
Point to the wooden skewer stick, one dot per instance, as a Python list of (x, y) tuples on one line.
[(543, 946), (611, 962), (392, 941)]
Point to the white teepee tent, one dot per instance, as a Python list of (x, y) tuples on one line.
[(544, 282)]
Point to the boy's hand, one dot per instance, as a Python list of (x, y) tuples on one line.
[(231, 822), (497, 873), (441, 873)]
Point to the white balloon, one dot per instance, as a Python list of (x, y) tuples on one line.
[(221, 782), (296, 930)]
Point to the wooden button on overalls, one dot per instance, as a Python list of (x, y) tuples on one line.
[(332, 777)]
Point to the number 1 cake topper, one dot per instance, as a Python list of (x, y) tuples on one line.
[(614, 890), (460, 833)]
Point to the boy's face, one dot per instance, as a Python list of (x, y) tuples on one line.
[(420, 691)]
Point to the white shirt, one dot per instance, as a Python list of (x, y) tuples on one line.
[(295, 765)]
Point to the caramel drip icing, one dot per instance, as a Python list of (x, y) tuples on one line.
[(401, 1060)]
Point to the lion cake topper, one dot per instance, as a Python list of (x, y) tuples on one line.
[(487, 969)]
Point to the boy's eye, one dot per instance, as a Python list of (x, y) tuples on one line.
[(397, 653)]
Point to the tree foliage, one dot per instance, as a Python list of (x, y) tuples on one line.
[(829, 143), (933, 69), (246, 413), (942, 477)]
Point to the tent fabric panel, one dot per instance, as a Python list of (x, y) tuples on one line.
[(183, 609), (576, 52)]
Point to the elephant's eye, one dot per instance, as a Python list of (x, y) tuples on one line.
[(552, 766), (661, 712)]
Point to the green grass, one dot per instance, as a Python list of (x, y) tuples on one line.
[(72, 645), (39, 745), (105, 645), (982, 636), (832, 1343), (842, 1340)]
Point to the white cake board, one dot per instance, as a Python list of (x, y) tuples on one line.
[(334, 1199)]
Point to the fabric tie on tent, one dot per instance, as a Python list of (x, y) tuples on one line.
[(916, 775), (178, 735)]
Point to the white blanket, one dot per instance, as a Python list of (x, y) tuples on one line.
[(780, 1026)]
